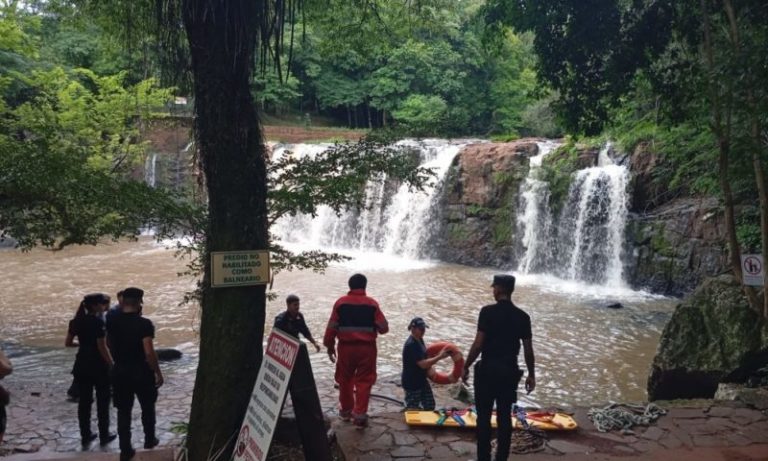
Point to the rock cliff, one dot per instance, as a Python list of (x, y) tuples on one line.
[(476, 208)]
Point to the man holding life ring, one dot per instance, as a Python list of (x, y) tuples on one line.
[(417, 366), (501, 327)]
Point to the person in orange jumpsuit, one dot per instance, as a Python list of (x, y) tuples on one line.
[(356, 321)]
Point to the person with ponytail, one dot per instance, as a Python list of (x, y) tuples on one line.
[(92, 366)]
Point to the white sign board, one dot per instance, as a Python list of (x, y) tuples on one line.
[(239, 268), (267, 397), (753, 269)]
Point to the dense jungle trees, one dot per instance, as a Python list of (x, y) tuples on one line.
[(677, 72)]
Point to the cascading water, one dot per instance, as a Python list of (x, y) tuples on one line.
[(150, 169), (585, 242), (535, 218), (393, 221)]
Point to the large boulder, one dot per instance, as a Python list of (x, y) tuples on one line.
[(712, 337), (478, 204)]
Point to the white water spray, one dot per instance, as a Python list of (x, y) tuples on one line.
[(392, 222), (535, 217), (585, 242)]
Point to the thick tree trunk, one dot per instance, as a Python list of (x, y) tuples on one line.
[(221, 38), (370, 120)]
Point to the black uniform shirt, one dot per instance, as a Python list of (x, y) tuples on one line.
[(504, 326), (88, 329), (292, 326), (414, 377), (126, 334)]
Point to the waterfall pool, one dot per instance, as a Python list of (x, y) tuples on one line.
[(586, 353)]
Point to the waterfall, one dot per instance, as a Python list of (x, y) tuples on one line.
[(394, 220), (586, 240), (535, 218), (150, 169)]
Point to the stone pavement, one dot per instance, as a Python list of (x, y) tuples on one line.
[(40, 419), (41, 422), (692, 430)]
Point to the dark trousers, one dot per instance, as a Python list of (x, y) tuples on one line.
[(86, 384), (142, 386), (492, 386)]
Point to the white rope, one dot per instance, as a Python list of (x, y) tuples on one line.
[(624, 416)]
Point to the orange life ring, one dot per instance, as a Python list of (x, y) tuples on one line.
[(458, 362)]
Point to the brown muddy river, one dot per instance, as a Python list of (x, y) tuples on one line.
[(586, 354)]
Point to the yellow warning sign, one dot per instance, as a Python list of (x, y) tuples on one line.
[(239, 268)]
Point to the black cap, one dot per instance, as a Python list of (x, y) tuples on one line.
[(96, 298), (133, 293), (417, 322), (291, 299), (505, 281), (357, 281)]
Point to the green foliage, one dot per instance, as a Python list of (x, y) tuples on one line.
[(507, 137), (557, 169), (587, 52), (539, 119), (748, 229), (69, 142), (420, 114)]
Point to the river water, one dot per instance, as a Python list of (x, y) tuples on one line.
[(586, 353)]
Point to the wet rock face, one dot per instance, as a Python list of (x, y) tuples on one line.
[(646, 193), (712, 337), (675, 246), (478, 203)]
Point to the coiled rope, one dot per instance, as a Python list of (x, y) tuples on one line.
[(624, 416)]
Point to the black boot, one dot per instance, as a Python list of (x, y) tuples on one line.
[(105, 440), (87, 439), (151, 442), (127, 455)]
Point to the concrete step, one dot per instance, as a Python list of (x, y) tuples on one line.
[(158, 454)]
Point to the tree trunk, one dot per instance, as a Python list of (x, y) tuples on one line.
[(232, 157), (763, 195), (370, 120), (384, 118), (349, 116)]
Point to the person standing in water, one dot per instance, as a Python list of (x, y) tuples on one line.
[(501, 327), (137, 372), (92, 365)]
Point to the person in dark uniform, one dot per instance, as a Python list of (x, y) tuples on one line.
[(92, 366), (501, 327), (136, 373), (292, 321), (417, 367)]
